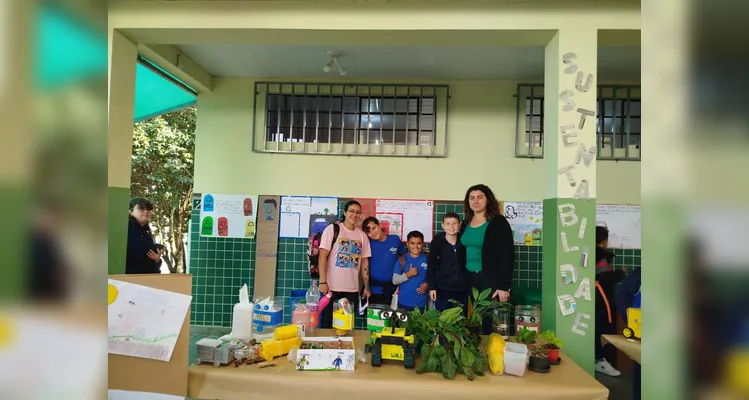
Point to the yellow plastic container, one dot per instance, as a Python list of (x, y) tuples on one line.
[(272, 348), (286, 332), (634, 324), (342, 322)]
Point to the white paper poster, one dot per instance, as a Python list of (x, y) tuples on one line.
[(399, 217), (624, 223), (304, 216), (526, 220), (144, 322), (228, 215)]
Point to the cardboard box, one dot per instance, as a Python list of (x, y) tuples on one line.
[(329, 358)]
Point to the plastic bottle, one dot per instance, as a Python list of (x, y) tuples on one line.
[(241, 327), (301, 317), (313, 301), (267, 316)]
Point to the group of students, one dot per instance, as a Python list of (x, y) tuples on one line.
[(477, 252)]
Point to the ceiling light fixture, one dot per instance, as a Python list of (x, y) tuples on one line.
[(333, 60)]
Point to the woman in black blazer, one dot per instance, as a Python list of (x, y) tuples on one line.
[(486, 247)]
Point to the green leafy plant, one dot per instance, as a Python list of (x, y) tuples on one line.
[(483, 306), (447, 346), (526, 336), (551, 340)]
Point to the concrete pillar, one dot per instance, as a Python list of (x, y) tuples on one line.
[(570, 191), (123, 56)]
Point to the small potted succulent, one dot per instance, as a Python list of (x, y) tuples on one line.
[(539, 361), (552, 344)]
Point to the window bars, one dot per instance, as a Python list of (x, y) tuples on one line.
[(351, 119), (618, 126)]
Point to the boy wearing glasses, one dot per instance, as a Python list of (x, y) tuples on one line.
[(385, 252)]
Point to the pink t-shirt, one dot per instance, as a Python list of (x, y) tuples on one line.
[(345, 257)]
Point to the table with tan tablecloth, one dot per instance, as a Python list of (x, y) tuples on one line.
[(632, 348), (565, 381)]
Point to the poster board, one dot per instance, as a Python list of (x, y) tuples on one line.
[(228, 215), (624, 223), (398, 217), (266, 249), (302, 216), (526, 220), (146, 375)]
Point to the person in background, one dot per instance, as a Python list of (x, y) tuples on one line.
[(385, 251), (342, 261), (629, 296), (447, 279), (486, 247), (410, 273), (606, 280), (143, 255)]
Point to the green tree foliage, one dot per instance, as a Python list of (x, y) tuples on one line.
[(162, 171)]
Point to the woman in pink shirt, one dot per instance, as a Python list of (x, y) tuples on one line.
[(342, 259)]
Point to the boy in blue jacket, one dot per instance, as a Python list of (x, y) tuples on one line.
[(410, 273)]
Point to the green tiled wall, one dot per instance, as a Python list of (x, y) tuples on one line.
[(221, 266)]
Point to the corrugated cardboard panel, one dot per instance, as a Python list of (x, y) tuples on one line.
[(146, 375), (266, 250)]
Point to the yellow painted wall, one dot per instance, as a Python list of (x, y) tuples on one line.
[(481, 140)]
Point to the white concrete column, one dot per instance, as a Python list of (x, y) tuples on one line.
[(123, 57), (570, 189)]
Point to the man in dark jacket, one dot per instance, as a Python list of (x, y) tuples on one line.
[(446, 278), (606, 280), (143, 255)]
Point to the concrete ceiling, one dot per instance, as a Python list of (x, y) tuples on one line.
[(519, 63)]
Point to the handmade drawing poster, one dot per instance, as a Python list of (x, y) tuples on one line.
[(303, 216), (144, 322), (228, 215), (624, 223), (526, 220), (399, 217)]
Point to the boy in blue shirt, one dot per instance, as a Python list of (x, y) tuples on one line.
[(385, 252), (410, 272)]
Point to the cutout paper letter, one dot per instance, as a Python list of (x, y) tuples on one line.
[(583, 224), (208, 203), (207, 226), (582, 191), (583, 115), (583, 290), (569, 274), (223, 226), (580, 324), (566, 246), (568, 131), (566, 97), (567, 304), (583, 87), (568, 59), (568, 218), (586, 156)]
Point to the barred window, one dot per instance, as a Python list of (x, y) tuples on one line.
[(369, 119), (618, 122)]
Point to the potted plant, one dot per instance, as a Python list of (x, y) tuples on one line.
[(482, 307), (526, 336), (539, 361), (552, 344), (447, 346)]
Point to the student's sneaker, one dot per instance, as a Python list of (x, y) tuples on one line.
[(604, 367)]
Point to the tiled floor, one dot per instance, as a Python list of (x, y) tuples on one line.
[(620, 387)]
